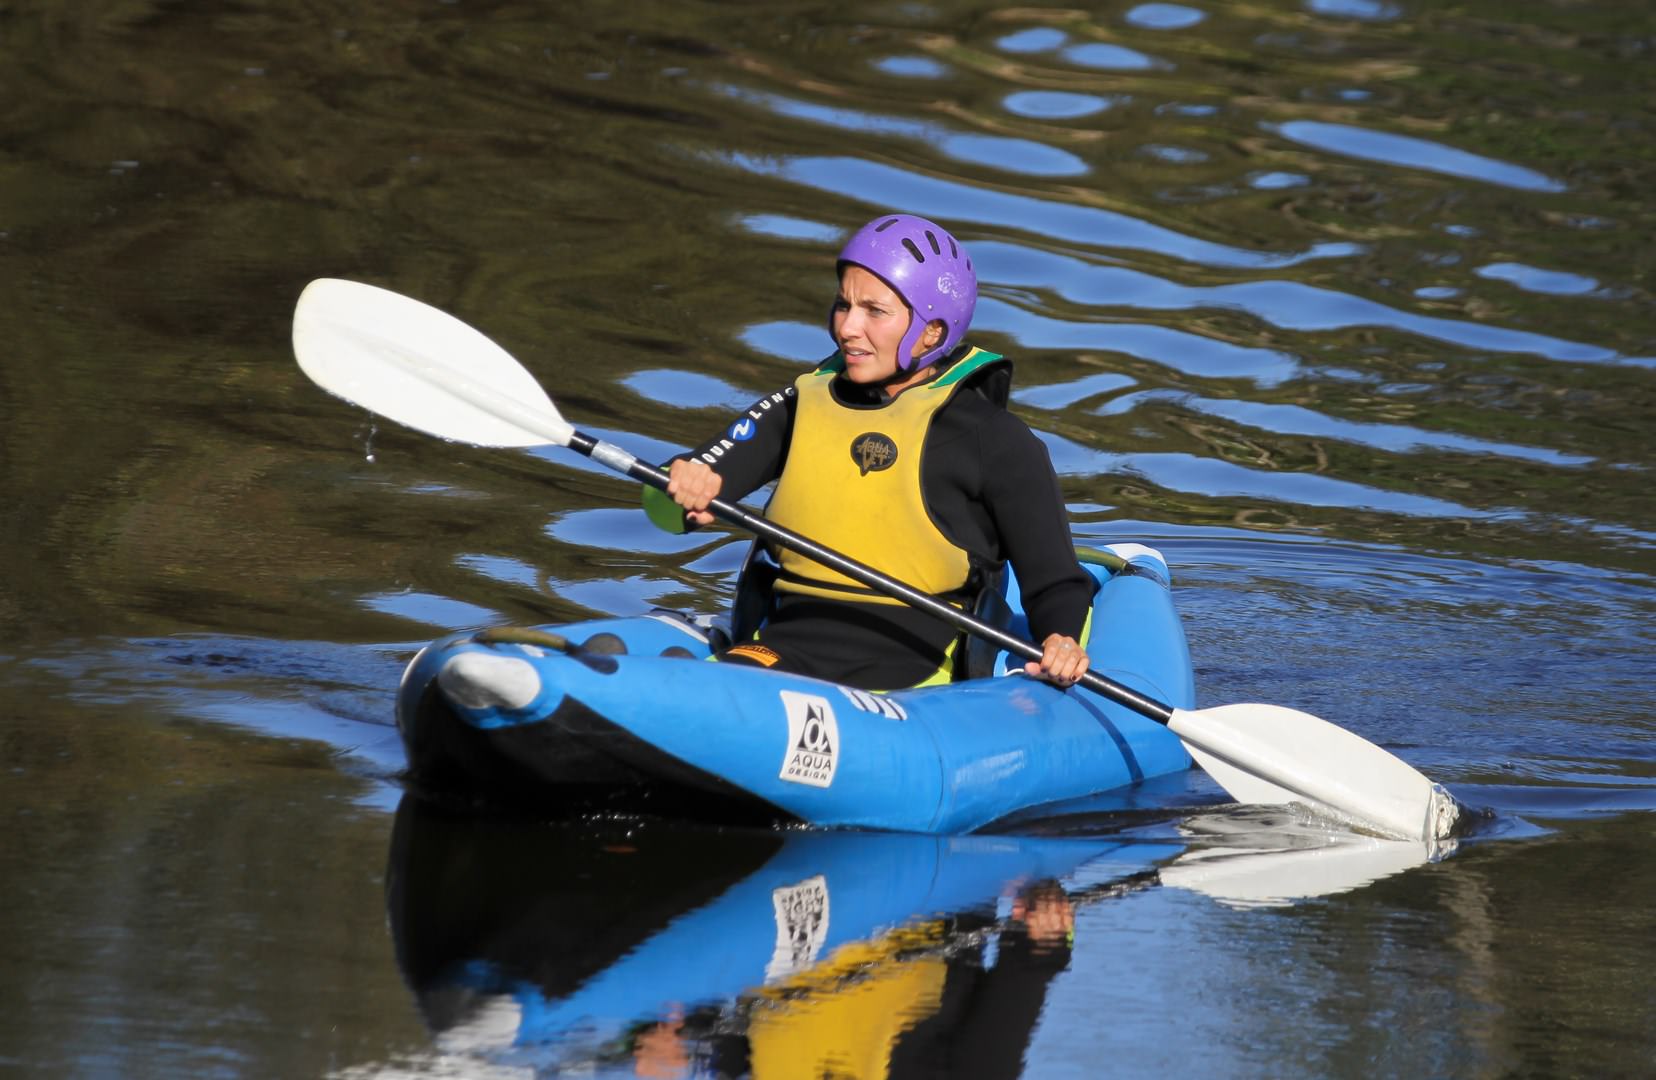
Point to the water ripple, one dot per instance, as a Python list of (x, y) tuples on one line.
[(955, 200), (1057, 104), (1109, 57), (911, 67), (1534, 279), (788, 340), (790, 228), (1277, 181), (1024, 156), (1178, 350), (687, 389), (501, 568), (619, 529), (1036, 39), (1164, 16), (1287, 304), (1054, 396), (1365, 10), (1412, 153), (1217, 479), (1299, 420), (430, 609)]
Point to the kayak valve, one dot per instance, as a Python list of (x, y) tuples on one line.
[(480, 680)]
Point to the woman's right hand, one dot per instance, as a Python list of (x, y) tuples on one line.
[(693, 484)]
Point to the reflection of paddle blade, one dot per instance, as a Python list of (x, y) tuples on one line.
[(1249, 877)]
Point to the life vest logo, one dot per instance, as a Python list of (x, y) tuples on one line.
[(812, 753), (873, 452)]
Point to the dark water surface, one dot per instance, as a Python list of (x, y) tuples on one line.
[(1342, 304)]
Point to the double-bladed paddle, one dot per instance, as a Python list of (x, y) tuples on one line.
[(410, 362)]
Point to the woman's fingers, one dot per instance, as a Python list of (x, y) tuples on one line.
[(1063, 661), (693, 485)]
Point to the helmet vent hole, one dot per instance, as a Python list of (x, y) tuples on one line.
[(913, 250), (954, 252), (886, 224), (936, 250)]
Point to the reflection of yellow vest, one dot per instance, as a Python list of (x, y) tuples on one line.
[(842, 1018), (852, 483)]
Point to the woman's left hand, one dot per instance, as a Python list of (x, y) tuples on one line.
[(1062, 661)]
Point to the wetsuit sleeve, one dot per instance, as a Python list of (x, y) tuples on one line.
[(1021, 493), (748, 452)]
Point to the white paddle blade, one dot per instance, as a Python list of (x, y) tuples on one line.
[(1268, 754), (419, 366)]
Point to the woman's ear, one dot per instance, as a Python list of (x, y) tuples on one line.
[(932, 334)]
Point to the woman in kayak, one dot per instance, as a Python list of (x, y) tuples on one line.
[(897, 451)]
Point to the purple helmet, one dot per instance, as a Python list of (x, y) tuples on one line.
[(928, 268)]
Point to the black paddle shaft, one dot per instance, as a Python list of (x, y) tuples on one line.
[(741, 516)]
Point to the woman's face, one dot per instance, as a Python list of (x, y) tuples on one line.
[(869, 322)]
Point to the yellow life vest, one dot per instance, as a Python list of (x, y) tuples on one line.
[(852, 483)]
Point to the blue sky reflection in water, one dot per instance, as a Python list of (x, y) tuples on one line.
[(1342, 304), (1013, 155), (990, 208), (1413, 153)]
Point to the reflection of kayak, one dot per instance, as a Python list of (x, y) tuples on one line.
[(561, 940), (571, 944), (621, 714)]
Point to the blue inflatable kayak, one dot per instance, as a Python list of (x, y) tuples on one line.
[(625, 715)]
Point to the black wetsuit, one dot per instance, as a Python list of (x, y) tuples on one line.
[(989, 485)]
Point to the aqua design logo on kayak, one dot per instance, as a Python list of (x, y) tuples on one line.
[(813, 740), (801, 927)]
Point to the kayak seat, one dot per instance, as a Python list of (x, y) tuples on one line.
[(755, 589), (974, 657), (717, 639)]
